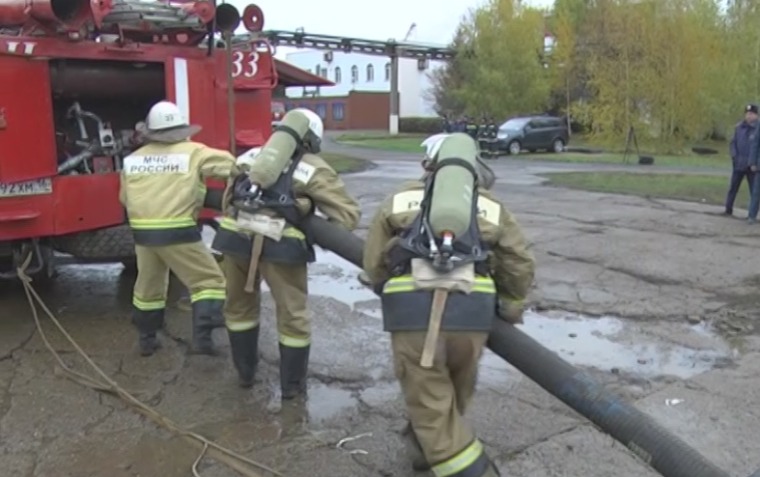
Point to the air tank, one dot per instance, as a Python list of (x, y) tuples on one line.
[(452, 194), (278, 150)]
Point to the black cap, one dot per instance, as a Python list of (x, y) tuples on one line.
[(751, 108)]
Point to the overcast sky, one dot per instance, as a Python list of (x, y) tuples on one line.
[(377, 20)]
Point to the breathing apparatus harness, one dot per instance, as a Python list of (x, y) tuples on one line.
[(446, 253), (250, 197)]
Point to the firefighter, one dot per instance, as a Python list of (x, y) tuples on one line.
[(482, 135), (397, 263), (471, 127), (492, 133), (283, 263), (162, 189)]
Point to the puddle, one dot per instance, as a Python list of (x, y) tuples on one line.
[(326, 402), (394, 169), (609, 343), (496, 374), (605, 343), (334, 277)]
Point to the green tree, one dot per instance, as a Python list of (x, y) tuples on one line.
[(566, 61), (743, 38), (499, 70), (659, 66), (449, 79)]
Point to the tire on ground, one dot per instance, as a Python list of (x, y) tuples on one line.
[(113, 244)]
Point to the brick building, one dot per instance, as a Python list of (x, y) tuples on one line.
[(357, 110)]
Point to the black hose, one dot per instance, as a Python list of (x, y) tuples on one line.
[(664, 452)]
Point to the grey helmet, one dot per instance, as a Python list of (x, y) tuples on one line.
[(432, 144)]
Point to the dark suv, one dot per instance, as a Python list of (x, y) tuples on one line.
[(532, 133)]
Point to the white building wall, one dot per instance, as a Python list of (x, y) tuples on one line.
[(412, 82)]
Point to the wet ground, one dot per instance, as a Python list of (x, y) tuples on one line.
[(656, 299)]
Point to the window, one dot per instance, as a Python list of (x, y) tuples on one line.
[(514, 124), (370, 73), (321, 110), (337, 74), (337, 111), (354, 74), (317, 69), (388, 71), (323, 73)]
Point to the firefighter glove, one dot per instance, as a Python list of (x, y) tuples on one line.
[(510, 311)]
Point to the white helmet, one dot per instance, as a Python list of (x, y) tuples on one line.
[(165, 115), (433, 144), (315, 122), (249, 157)]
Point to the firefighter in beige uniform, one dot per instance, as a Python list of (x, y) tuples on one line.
[(303, 186), (162, 188), (397, 259)]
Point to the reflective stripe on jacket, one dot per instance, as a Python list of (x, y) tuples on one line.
[(314, 182), (405, 308), (162, 187)]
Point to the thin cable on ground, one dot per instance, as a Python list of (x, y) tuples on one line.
[(228, 457)]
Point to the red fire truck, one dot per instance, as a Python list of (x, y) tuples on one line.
[(76, 76)]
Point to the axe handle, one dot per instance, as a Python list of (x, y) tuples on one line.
[(258, 245), (434, 328)]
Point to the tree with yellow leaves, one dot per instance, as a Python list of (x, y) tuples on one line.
[(501, 68)]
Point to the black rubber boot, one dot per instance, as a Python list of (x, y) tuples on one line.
[(419, 462), (206, 313), (147, 324), (294, 363), (245, 354)]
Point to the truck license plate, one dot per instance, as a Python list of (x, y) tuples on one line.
[(17, 189)]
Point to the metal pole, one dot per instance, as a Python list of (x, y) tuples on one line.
[(230, 91), (393, 120)]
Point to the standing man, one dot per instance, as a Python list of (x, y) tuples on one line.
[(740, 149), (306, 184), (446, 123), (401, 257), (162, 189)]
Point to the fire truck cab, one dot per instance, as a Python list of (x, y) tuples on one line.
[(77, 76)]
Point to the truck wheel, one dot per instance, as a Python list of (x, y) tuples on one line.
[(114, 244)]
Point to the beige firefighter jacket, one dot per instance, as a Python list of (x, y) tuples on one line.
[(314, 182), (162, 187), (511, 263)]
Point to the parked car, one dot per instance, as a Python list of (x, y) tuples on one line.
[(532, 133)]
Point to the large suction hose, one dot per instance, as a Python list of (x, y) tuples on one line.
[(639, 432), (664, 452)]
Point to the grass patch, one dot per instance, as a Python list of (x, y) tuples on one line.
[(344, 164), (688, 187), (401, 143), (712, 161), (410, 143)]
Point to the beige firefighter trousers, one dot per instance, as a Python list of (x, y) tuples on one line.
[(289, 287), (437, 398), (193, 265)]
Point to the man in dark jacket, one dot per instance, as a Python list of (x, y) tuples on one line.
[(741, 148)]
